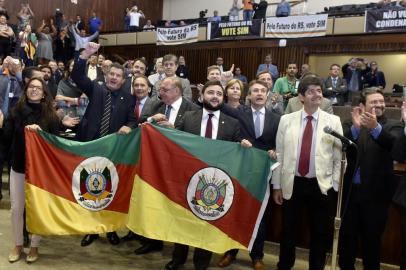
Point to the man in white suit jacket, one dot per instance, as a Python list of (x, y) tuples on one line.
[(308, 174)]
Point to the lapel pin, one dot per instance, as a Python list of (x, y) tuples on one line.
[(222, 122)]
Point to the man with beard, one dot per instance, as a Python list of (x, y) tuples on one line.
[(52, 87), (258, 125), (369, 181), (287, 86), (309, 172), (139, 67), (110, 110), (57, 74), (207, 122)]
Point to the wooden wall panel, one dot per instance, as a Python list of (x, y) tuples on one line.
[(110, 11), (200, 56)]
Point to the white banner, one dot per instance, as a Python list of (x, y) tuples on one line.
[(177, 35), (296, 26)]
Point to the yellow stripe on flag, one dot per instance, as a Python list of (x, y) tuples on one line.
[(154, 216), (48, 214)]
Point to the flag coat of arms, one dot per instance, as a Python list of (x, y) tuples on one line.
[(79, 187), (204, 193)]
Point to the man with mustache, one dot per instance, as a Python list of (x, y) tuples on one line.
[(207, 122), (369, 182)]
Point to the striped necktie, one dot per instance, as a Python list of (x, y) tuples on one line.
[(105, 120)]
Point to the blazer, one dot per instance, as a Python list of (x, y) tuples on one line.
[(272, 69), (374, 160), (327, 152), (399, 154), (247, 130), (295, 104), (147, 109), (99, 73), (122, 105), (337, 92), (228, 129), (185, 106), (187, 91)]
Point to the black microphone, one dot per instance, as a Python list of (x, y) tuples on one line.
[(333, 133)]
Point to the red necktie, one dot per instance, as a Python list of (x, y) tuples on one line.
[(304, 159), (209, 126), (137, 109)]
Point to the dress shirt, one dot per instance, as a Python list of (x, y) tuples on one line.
[(214, 121), (312, 167), (141, 105), (261, 117), (92, 72), (175, 110), (154, 78)]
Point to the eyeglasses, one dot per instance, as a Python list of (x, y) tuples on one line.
[(166, 89)]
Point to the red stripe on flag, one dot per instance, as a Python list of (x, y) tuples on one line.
[(168, 168), (51, 169)]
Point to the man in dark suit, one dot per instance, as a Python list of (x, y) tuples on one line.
[(110, 109), (335, 87), (168, 112), (139, 68), (399, 154), (369, 180), (144, 104), (223, 127), (52, 87), (93, 71), (258, 125)]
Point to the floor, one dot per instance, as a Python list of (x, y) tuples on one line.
[(63, 253)]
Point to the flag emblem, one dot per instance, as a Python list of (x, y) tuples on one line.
[(210, 193), (94, 183)]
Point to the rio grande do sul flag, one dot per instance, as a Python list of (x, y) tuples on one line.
[(204, 193), (79, 187)]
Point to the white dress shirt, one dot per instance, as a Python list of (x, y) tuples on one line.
[(92, 72), (214, 121), (175, 110), (312, 167)]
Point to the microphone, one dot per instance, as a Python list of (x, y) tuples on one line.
[(333, 133)]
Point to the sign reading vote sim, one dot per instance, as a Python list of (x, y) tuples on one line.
[(234, 30)]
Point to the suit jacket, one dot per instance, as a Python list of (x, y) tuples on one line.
[(244, 115), (122, 105), (99, 73), (337, 92), (374, 160), (228, 129), (272, 69), (399, 154), (295, 104), (327, 152), (147, 109), (185, 106), (18, 91), (187, 91)]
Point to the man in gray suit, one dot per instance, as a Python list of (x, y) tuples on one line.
[(335, 88), (170, 63), (143, 104)]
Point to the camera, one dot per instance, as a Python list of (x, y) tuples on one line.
[(202, 13)]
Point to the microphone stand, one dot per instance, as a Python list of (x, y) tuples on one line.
[(337, 219)]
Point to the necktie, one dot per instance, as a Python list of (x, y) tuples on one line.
[(105, 120), (168, 111), (257, 124), (137, 109), (304, 159), (209, 127), (334, 82)]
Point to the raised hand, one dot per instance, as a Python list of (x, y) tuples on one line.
[(369, 120), (90, 49), (356, 117)]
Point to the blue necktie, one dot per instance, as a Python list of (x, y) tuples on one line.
[(257, 124), (168, 111)]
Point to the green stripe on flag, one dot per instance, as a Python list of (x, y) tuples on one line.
[(114, 146), (212, 152)]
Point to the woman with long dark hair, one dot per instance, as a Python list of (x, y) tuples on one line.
[(34, 110)]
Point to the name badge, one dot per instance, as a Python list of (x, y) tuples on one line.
[(11, 95)]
